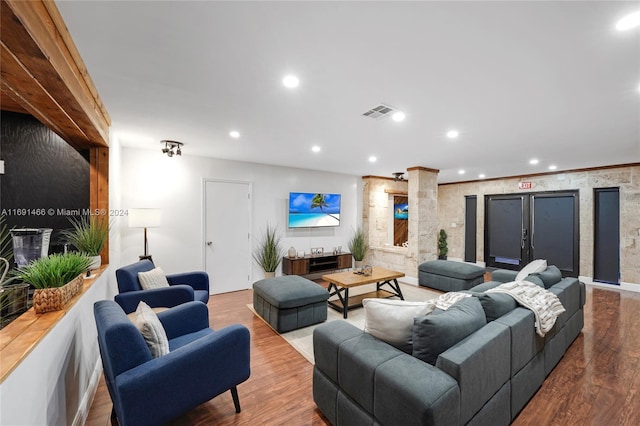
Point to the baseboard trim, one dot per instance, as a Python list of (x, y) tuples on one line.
[(622, 286), (409, 280), (85, 405)]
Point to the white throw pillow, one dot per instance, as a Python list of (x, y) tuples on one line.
[(392, 320), (154, 278), (152, 330), (538, 265)]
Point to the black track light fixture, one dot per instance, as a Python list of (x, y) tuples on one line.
[(171, 148), (398, 176)]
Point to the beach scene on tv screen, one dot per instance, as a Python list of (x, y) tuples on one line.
[(311, 210), (401, 211)]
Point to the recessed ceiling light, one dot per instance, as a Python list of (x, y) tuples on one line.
[(482, 175), (533, 161), (315, 148), (291, 81), (628, 22), (372, 159), (553, 167), (234, 134), (452, 134), (398, 116), (460, 172)]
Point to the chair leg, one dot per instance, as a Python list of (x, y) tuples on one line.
[(114, 418), (236, 401)]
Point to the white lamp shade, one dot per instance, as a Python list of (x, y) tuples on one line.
[(144, 218)]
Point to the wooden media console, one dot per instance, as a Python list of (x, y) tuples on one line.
[(312, 264)]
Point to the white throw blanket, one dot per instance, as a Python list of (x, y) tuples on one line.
[(444, 301), (545, 305)]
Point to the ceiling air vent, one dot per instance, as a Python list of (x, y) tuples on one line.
[(381, 111)]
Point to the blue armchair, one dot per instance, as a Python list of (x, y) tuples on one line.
[(202, 363), (183, 287)]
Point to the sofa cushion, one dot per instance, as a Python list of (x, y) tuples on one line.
[(435, 333), (503, 275), (358, 360), (392, 320), (480, 365), (535, 279), (549, 276), (154, 278), (481, 288), (147, 322), (532, 267), (495, 305)]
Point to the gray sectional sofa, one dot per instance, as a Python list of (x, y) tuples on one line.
[(484, 379)]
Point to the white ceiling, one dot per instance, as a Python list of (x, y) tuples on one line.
[(551, 80)]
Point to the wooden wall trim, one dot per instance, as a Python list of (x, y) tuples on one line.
[(556, 172), (99, 188), (395, 192), (46, 76), (425, 169), (42, 74), (62, 30)]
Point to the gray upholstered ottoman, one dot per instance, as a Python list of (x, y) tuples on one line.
[(290, 302), (447, 275)]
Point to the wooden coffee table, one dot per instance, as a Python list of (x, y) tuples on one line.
[(340, 283)]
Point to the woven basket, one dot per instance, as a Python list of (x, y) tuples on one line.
[(54, 299)]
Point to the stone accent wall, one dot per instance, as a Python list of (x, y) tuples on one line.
[(422, 189), (423, 215), (375, 201), (627, 178), (375, 221)]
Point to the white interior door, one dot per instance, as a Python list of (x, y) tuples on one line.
[(227, 227)]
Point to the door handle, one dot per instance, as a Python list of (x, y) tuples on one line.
[(209, 243), (524, 236)]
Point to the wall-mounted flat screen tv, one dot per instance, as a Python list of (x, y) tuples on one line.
[(308, 210), (401, 211)]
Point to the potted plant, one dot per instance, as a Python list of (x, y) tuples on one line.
[(89, 235), (358, 246), (268, 253), (442, 245), (56, 278)]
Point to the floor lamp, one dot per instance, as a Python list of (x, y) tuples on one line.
[(144, 218)]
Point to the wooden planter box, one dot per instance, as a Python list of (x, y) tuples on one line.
[(54, 299)]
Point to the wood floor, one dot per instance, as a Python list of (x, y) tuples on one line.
[(596, 383)]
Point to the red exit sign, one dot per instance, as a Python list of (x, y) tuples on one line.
[(525, 185)]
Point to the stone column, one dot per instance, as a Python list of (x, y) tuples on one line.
[(423, 216)]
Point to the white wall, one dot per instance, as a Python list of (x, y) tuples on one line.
[(115, 201), (175, 185), (55, 383)]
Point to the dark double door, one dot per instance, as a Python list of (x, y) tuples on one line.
[(522, 227)]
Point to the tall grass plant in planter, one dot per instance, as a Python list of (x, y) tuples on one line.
[(358, 246), (88, 235), (57, 278), (268, 253)]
